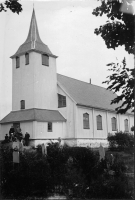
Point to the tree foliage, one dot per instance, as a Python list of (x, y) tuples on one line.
[(13, 5), (122, 78), (121, 141), (119, 30), (120, 27)]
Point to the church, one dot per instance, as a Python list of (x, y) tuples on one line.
[(50, 106)]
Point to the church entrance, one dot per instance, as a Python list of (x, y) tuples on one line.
[(15, 125)]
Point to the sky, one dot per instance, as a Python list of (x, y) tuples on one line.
[(67, 27)]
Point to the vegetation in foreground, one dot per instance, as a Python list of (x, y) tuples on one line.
[(71, 171)]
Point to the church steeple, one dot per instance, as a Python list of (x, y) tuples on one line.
[(33, 41), (33, 35)]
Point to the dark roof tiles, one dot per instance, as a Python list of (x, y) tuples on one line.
[(87, 94), (34, 114)]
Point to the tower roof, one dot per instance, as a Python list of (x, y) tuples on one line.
[(33, 41)]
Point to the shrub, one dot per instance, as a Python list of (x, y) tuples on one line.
[(121, 141), (132, 128), (66, 170)]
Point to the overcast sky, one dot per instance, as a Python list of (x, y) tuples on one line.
[(67, 27)]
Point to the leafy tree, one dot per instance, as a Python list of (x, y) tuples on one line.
[(13, 5), (119, 30), (120, 27), (122, 78)]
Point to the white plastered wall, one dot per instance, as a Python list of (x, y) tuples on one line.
[(130, 122), (41, 130), (131, 118), (45, 83), (22, 83), (100, 133), (81, 132), (110, 115), (4, 129), (68, 113), (34, 83), (27, 127)]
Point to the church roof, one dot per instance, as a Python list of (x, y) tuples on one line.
[(33, 114), (87, 94), (33, 41)]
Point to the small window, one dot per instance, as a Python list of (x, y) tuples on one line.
[(114, 124), (49, 126), (26, 59), (45, 60), (126, 125), (22, 104), (17, 62), (61, 101), (86, 121), (99, 122)]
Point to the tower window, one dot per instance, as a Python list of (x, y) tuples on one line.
[(114, 124), (17, 62), (126, 125), (45, 59), (22, 104), (26, 58), (61, 101), (99, 122), (86, 121), (49, 126)]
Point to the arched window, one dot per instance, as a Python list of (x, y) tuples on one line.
[(17, 62), (126, 125), (86, 121), (26, 58), (45, 59), (114, 124), (22, 102), (99, 122)]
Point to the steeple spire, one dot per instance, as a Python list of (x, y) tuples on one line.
[(33, 41), (33, 35)]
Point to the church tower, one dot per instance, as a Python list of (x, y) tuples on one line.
[(34, 82)]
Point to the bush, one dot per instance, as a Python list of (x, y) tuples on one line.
[(72, 171), (121, 141), (132, 128)]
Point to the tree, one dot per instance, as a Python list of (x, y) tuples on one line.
[(122, 78), (13, 5), (119, 30), (120, 27)]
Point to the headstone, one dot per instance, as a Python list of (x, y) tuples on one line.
[(15, 156), (43, 149), (46, 149), (101, 152), (112, 159)]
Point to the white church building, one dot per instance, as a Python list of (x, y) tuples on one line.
[(49, 106)]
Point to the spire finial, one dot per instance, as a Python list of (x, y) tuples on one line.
[(33, 4)]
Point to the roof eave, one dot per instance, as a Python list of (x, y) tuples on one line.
[(31, 120), (64, 90), (105, 109), (42, 52)]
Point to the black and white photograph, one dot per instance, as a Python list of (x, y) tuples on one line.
[(67, 77)]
